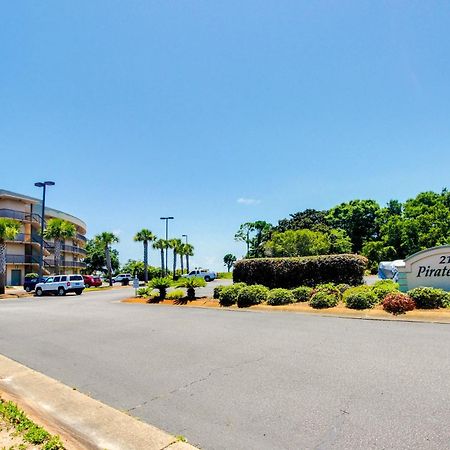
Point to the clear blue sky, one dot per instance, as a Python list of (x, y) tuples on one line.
[(139, 109)]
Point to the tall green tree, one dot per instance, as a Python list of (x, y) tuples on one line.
[(9, 229), (105, 240), (254, 235), (359, 219), (176, 245), (229, 260), (59, 230), (145, 236), (309, 219), (161, 244), (188, 250), (298, 243), (95, 258)]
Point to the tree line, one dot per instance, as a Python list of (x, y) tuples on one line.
[(388, 232), (101, 257)]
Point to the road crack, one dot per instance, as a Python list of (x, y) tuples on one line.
[(191, 383)]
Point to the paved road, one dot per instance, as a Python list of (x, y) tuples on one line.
[(243, 380)]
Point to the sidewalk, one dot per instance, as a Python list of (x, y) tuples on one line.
[(80, 421)]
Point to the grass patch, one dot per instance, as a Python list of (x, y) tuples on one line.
[(30, 432), (98, 288), (225, 275)]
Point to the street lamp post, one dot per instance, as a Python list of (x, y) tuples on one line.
[(167, 239), (43, 185), (187, 256)]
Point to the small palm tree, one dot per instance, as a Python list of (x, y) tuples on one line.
[(59, 230), (175, 245), (191, 284), (106, 239), (9, 228), (145, 236), (188, 251), (161, 244), (161, 284)]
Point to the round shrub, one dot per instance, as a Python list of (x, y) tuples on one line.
[(328, 288), (384, 287), (398, 303), (280, 297), (302, 293), (175, 295), (229, 294), (361, 297), (323, 299), (429, 298), (252, 295), (143, 292), (217, 291)]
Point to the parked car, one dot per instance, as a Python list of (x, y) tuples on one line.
[(208, 275), (92, 281), (30, 282), (60, 285), (122, 277)]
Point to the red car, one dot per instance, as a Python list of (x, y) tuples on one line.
[(92, 281)]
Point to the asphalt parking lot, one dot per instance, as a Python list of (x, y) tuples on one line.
[(242, 379)]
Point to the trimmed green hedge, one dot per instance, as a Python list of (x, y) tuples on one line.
[(306, 271)]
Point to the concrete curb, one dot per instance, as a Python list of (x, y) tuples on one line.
[(82, 422)]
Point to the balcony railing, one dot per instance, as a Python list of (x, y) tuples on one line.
[(74, 249), (81, 237), (19, 215), (51, 262), (24, 259)]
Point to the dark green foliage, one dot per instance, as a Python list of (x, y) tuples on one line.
[(329, 288), (430, 298), (384, 287), (252, 295), (217, 291), (229, 294), (307, 271), (280, 297), (398, 303), (302, 293), (309, 219), (161, 284), (360, 297), (323, 299), (95, 258), (138, 268)]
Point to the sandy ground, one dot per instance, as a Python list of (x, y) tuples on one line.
[(8, 438), (432, 315)]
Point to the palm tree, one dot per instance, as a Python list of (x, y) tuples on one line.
[(175, 245), (105, 239), (145, 236), (161, 245), (59, 230), (9, 228), (188, 251), (181, 252)]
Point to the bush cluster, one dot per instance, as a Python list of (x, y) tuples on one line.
[(302, 293), (430, 298), (217, 291), (360, 297), (306, 271), (229, 294), (323, 299), (252, 295), (280, 296), (384, 287), (175, 295), (398, 303)]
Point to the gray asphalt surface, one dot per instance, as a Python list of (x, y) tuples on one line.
[(243, 380)]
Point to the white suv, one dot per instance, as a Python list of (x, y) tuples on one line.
[(201, 273), (121, 277), (60, 285)]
